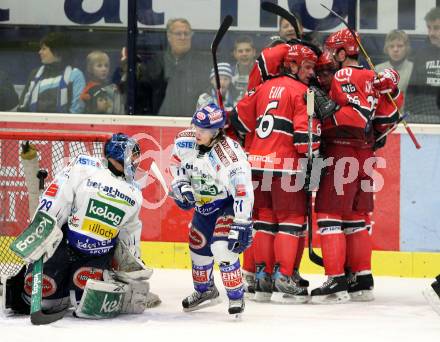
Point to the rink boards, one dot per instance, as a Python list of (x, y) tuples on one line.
[(406, 234)]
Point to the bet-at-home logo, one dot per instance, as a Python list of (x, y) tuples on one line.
[(105, 212)]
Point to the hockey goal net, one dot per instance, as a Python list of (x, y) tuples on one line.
[(22, 155)]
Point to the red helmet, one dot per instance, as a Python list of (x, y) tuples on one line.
[(326, 62), (298, 53), (343, 39)]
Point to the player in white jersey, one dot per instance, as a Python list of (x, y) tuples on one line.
[(95, 206), (212, 175)]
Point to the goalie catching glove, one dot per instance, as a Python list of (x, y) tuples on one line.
[(40, 239), (240, 236)]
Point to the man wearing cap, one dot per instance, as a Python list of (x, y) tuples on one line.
[(229, 92)]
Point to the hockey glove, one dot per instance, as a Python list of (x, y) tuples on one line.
[(380, 143), (183, 194), (324, 106), (386, 81), (240, 236)]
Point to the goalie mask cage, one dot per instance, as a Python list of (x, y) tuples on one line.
[(22, 155)]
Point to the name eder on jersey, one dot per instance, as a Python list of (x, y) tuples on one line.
[(110, 191)]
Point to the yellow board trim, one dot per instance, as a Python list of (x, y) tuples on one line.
[(384, 263)]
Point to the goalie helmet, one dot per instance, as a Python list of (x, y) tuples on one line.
[(298, 53), (125, 150), (209, 117), (343, 39)]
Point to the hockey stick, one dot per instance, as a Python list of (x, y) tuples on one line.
[(283, 13), (315, 258), (38, 317), (370, 63), (227, 22)]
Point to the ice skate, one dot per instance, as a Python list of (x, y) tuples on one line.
[(286, 291), (263, 285), (298, 280), (199, 300), (360, 287), (248, 284), (236, 307), (432, 295), (333, 291)]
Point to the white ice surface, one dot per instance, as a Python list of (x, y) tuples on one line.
[(399, 313)]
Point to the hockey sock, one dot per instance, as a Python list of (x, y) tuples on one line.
[(232, 279), (333, 252), (202, 277), (264, 250), (249, 259), (299, 252), (359, 250), (285, 246)]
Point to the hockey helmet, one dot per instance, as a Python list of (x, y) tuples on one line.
[(343, 39), (123, 149), (209, 117), (298, 53), (326, 62)]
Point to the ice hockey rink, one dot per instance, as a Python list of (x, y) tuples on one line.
[(399, 313)]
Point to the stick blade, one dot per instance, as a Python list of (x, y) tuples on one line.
[(227, 22), (40, 318), (278, 10)]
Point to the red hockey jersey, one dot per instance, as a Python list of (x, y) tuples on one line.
[(275, 115), (361, 109)]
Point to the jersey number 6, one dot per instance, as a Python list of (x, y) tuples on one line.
[(266, 124)]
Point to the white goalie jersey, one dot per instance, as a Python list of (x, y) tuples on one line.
[(95, 206), (215, 176)]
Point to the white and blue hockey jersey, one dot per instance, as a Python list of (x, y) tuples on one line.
[(96, 206), (215, 176)]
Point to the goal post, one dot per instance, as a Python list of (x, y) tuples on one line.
[(22, 155)]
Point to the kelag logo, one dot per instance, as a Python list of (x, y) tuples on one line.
[(104, 212)]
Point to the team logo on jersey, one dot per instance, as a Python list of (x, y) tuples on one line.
[(83, 274), (73, 221), (196, 239), (52, 190), (104, 212), (348, 88), (99, 229), (200, 116), (240, 190), (48, 289)]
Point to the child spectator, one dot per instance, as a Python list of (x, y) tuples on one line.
[(244, 54), (397, 48), (98, 68), (227, 89), (55, 86)]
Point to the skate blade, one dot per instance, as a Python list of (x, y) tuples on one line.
[(204, 305), (236, 316), (285, 298), (262, 296), (432, 298), (362, 296), (334, 298)]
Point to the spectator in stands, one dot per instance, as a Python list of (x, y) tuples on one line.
[(424, 87), (98, 91), (230, 95), (244, 54), (286, 30), (177, 76), (397, 48), (56, 86), (8, 96)]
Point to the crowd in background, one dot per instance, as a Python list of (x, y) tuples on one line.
[(179, 78)]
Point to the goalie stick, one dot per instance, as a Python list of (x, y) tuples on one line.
[(283, 13), (38, 317), (371, 65), (315, 258), (227, 22)]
